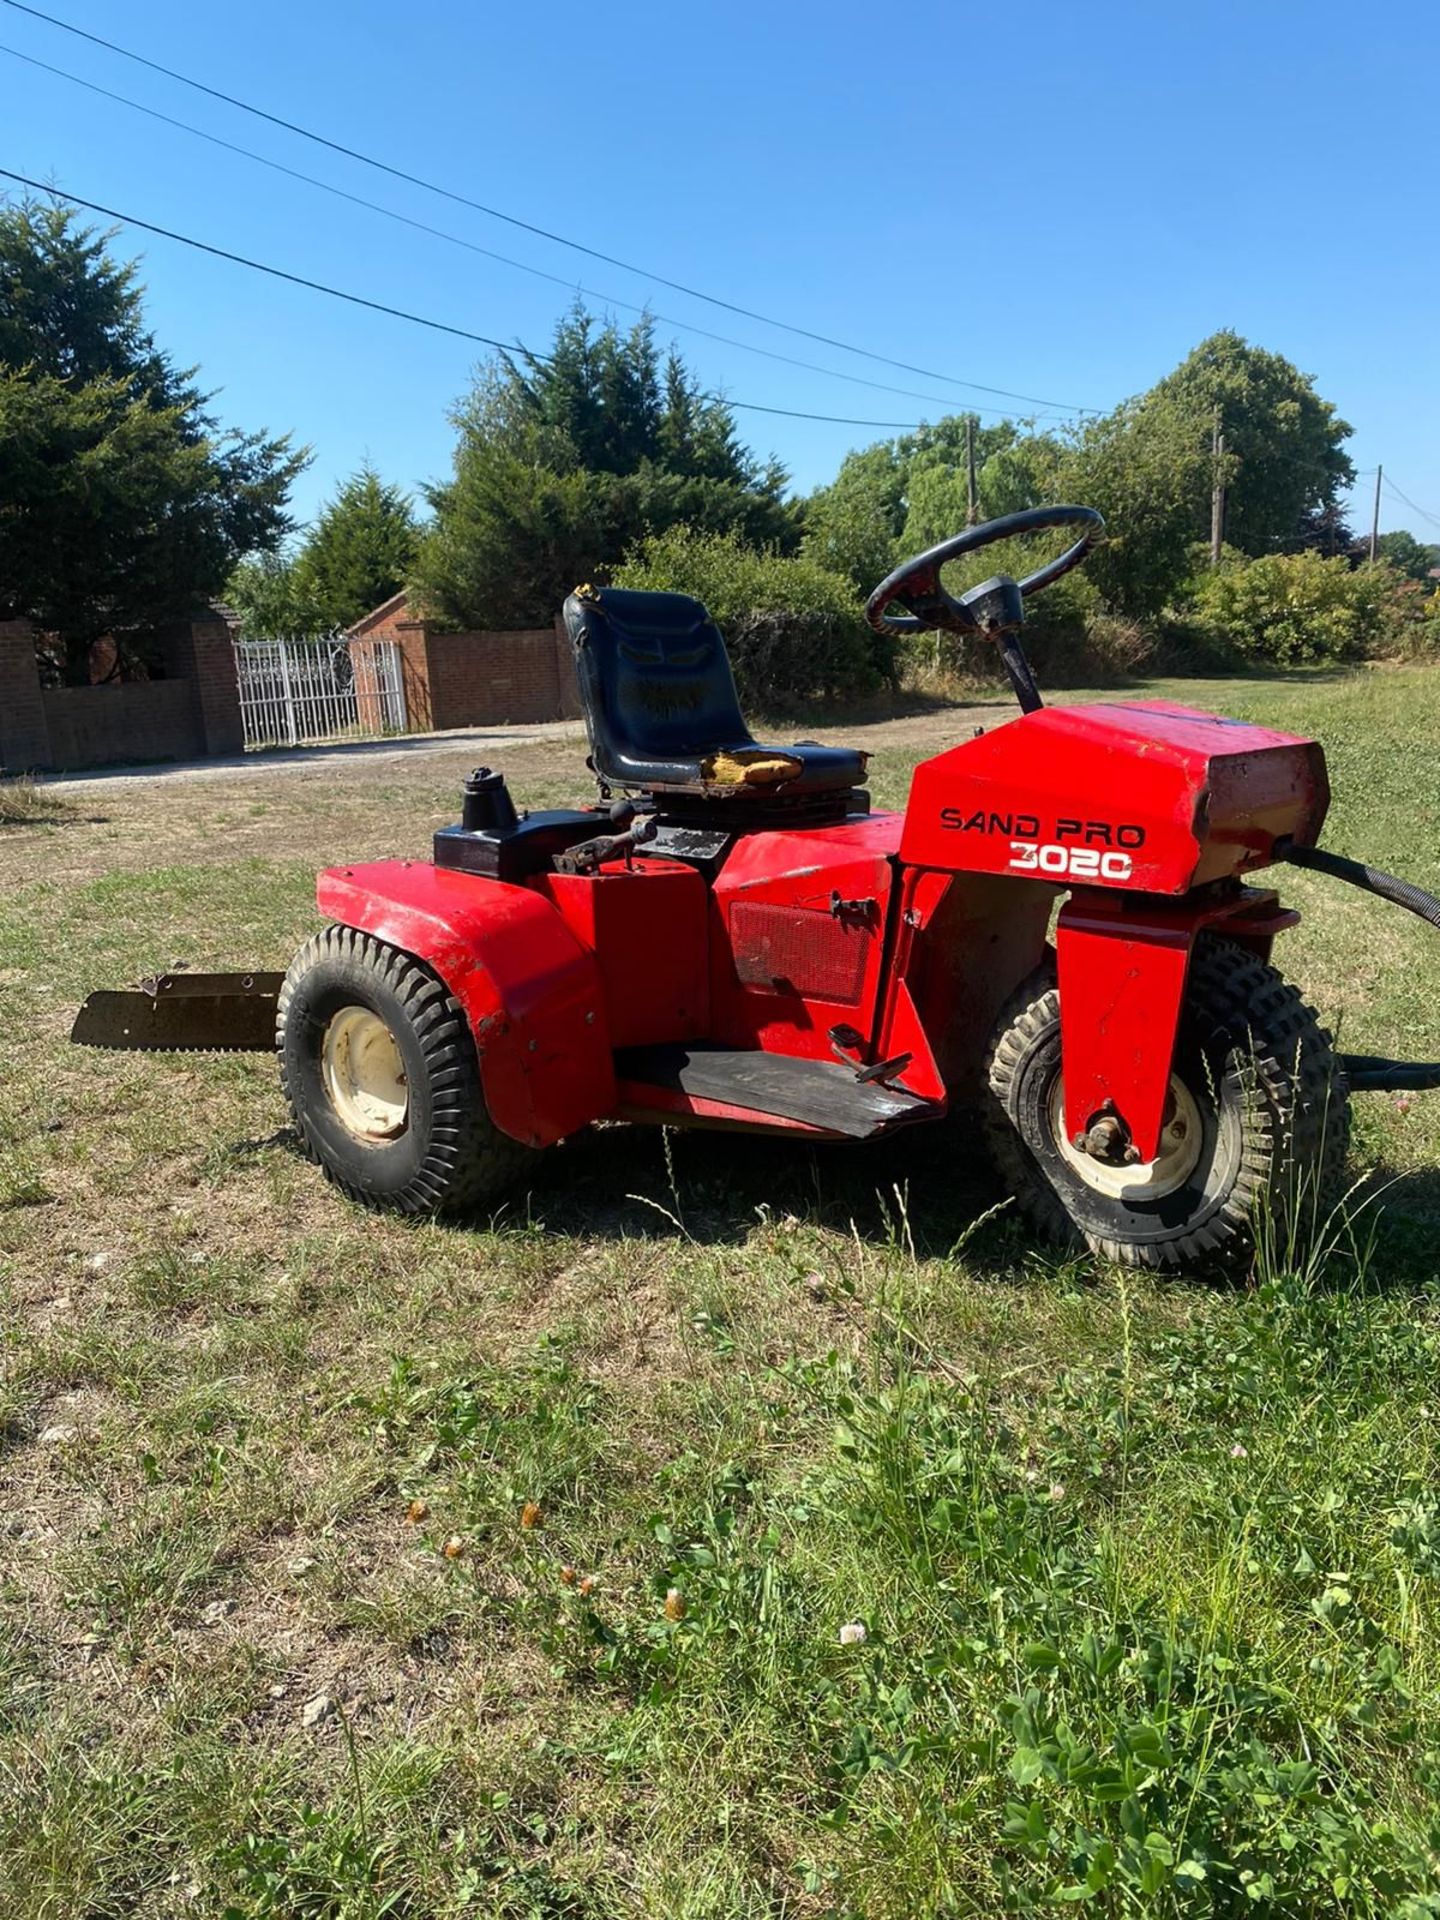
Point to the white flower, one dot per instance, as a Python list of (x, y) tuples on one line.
[(1057, 1490), (1237, 1452), (853, 1634)]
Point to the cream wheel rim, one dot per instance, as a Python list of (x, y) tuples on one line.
[(1181, 1138), (364, 1075)]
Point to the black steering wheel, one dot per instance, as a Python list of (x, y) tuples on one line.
[(993, 608)]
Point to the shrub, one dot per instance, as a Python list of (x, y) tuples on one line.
[(795, 630), (1295, 609), (1108, 646), (1412, 621)]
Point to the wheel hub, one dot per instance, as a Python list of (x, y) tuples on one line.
[(1181, 1138), (364, 1075)]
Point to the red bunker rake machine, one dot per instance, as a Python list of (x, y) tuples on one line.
[(738, 941)]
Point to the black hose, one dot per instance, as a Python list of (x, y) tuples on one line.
[(1373, 1073), (1368, 1072), (1403, 893)]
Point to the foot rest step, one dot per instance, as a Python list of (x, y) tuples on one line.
[(822, 1093)]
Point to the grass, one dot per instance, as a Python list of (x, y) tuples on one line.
[(351, 1567), (22, 803)]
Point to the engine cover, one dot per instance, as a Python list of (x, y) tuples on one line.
[(1143, 795)]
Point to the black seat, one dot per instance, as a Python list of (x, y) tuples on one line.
[(661, 709)]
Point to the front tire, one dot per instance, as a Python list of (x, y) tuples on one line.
[(379, 1067), (1257, 1124)]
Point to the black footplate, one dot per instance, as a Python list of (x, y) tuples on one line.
[(822, 1093)]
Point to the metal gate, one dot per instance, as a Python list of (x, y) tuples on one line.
[(302, 692)]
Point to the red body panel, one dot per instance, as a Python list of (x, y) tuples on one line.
[(1147, 796), (648, 929), (784, 967), (531, 991), (1122, 966)]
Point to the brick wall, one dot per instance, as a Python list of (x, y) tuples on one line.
[(483, 679), (124, 721), (195, 710), (24, 736), (201, 652), (476, 679), (394, 621), (409, 636)]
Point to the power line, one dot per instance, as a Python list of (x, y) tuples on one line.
[(487, 340), (837, 419), (1314, 464), (400, 313), (1424, 514), (258, 266), (543, 233), (471, 246)]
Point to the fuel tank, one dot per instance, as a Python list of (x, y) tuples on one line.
[(1141, 795)]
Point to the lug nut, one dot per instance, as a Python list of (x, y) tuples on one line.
[(1104, 1139)]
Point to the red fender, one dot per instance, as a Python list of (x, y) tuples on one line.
[(531, 992), (1122, 967)]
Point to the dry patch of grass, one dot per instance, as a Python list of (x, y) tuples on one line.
[(24, 803)]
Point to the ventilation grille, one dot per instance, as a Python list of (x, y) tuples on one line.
[(799, 950)]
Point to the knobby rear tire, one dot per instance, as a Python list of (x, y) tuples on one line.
[(450, 1156), (1274, 1109)]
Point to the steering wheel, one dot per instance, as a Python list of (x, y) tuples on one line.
[(993, 608)]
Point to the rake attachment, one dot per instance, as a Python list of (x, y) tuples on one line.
[(184, 1013)]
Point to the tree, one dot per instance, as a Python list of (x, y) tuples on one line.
[(1285, 461), (359, 551), (272, 600), (565, 461), (937, 486), (122, 500), (899, 496), (853, 525), (1143, 467), (1409, 556), (1326, 531)]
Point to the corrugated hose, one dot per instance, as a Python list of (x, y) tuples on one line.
[(1368, 1072)]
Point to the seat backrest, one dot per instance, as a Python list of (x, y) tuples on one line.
[(655, 684)]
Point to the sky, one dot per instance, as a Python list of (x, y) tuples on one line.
[(1057, 200)]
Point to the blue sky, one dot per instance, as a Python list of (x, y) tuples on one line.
[(1056, 199)]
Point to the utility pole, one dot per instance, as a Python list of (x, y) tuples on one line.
[(1217, 492), (1375, 519), (972, 492)]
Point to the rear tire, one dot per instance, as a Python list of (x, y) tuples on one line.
[(379, 1067), (1252, 1065)]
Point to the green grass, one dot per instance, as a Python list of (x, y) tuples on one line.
[(1148, 1573)]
